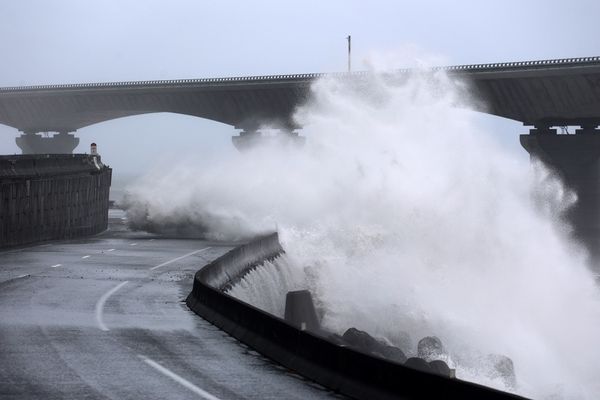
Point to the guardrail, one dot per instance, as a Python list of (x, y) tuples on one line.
[(310, 76), (337, 367)]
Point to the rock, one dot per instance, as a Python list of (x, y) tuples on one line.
[(502, 367), (431, 348), (441, 368), (337, 339), (362, 341), (419, 364), (394, 354)]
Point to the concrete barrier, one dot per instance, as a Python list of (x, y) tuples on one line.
[(227, 270), (51, 197), (337, 367)]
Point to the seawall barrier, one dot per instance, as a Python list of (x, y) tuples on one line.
[(52, 197), (334, 366)]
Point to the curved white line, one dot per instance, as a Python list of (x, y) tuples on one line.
[(183, 382), (179, 258), (102, 301)]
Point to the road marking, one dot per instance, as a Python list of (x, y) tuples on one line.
[(110, 250), (102, 301), (183, 382), (57, 265), (85, 257), (151, 240), (133, 244), (179, 258)]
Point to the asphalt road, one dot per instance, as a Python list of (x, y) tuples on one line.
[(105, 318)]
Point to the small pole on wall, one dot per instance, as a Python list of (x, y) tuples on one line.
[(349, 53)]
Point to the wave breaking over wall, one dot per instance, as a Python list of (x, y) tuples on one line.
[(401, 215), (266, 286)]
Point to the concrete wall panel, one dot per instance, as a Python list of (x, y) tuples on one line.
[(52, 197)]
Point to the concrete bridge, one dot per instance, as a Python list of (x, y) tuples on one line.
[(541, 94)]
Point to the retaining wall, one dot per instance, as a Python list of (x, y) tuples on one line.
[(51, 197), (337, 367)]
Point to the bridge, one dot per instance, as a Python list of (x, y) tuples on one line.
[(541, 94)]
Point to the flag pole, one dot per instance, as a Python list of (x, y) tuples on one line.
[(349, 53)]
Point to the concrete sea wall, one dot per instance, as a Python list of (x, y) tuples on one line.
[(52, 197), (333, 365)]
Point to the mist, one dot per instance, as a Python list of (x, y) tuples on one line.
[(402, 216)]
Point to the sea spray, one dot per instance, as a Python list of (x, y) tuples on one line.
[(403, 216), (266, 286)]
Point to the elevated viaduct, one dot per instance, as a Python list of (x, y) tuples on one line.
[(540, 94)]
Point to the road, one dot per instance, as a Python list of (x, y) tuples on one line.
[(105, 318)]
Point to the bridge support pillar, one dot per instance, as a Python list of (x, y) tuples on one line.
[(576, 159), (60, 143), (250, 139)]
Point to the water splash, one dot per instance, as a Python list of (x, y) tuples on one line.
[(266, 286), (400, 215)]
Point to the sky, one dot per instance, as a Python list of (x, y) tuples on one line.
[(74, 41)]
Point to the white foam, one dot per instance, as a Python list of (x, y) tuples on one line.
[(402, 215)]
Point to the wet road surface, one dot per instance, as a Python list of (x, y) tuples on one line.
[(105, 318)]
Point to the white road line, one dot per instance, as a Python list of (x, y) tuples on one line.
[(133, 244), (183, 382), (55, 266), (151, 240), (85, 257), (179, 258), (110, 250), (102, 301)]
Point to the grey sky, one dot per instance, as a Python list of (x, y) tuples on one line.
[(43, 41)]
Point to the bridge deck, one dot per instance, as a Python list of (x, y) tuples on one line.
[(545, 92)]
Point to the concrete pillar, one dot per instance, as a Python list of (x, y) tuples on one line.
[(576, 159), (249, 139), (60, 143)]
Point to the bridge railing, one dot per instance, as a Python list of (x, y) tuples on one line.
[(564, 62)]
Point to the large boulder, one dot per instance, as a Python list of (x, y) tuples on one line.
[(431, 348), (419, 364), (501, 367), (362, 341), (441, 368)]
